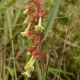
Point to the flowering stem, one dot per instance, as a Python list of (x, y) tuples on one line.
[(41, 52)]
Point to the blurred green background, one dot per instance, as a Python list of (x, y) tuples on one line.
[(64, 35)]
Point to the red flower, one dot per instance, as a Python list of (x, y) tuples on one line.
[(44, 14), (35, 14), (34, 52), (31, 35), (37, 4), (32, 26), (40, 1), (31, 49), (36, 56), (31, 10), (30, 6), (31, 19), (40, 15), (41, 9)]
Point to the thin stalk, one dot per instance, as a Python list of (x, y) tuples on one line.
[(12, 26), (11, 39), (2, 70), (14, 58), (5, 38), (41, 51), (9, 21), (50, 53)]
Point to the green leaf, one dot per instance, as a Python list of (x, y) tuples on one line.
[(12, 79), (52, 18), (43, 75), (53, 70), (18, 13), (11, 26), (5, 26), (38, 70), (2, 70), (11, 71), (7, 6)]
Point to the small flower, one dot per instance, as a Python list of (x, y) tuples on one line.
[(30, 60), (25, 33), (40, 1), (27, 73), (39, 27), (34, 52), (26, 20), (26, 11), (28, 53), (31, 49), (37, 4), (29, 67)]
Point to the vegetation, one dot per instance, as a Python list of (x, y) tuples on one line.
[(61, 35)]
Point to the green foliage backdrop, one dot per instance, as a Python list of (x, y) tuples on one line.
[(62, 35)]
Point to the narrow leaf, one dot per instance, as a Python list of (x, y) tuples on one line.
[(53, 70), (7, 6), (52, 18), (38, 70), (17, 14)]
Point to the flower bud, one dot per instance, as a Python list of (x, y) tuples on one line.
[(28, 53), (26, 20), (26, 11)]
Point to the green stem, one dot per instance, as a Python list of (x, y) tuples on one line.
[(50, 54), (9, 21)]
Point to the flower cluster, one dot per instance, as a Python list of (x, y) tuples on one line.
[(34, 19), (29, 67)]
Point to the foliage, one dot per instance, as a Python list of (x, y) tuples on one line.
[(62, 40)]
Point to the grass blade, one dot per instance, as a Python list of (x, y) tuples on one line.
[(11, 26), (6, 30), (10, 31), (17, 14), (7, 6), (38, 70), (52, 18), (2, 70), (53, 70)]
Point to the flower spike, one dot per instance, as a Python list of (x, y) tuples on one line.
[(34, 19)]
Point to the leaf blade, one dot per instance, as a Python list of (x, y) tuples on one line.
[(7, 6), (52, 18)]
